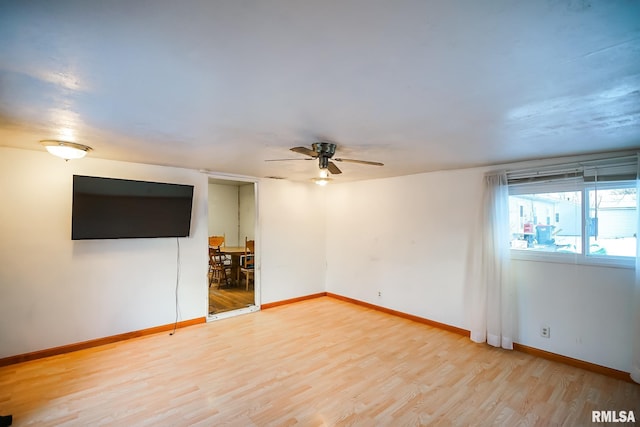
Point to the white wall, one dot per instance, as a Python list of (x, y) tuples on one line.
[(588, 308), (55, 291), (405, 237), (292, 244), (409, 238), (247, 203), (223, 213), (232, 211)]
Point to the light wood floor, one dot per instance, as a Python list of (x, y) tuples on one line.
[(312, 363)]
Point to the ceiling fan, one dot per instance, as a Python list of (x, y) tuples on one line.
[(324, 151)]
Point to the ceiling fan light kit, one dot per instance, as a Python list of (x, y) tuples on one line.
[(321, 181), (324, 151), (64, 149)]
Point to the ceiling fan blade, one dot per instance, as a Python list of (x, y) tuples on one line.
[(363, 162), (305, 151), (333, 168), (283, 160)]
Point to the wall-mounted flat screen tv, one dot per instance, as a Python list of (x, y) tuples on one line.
[(109, 208)]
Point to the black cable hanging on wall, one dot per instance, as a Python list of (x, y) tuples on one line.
[(175, 325)]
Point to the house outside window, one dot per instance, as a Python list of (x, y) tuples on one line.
[(579, 217)]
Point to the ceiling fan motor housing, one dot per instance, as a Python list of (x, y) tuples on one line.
[(325, 151)]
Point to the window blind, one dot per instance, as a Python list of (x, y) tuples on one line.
[(606, 169)]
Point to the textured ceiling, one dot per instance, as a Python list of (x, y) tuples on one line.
[(225, 85)]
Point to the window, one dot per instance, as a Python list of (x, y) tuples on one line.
[(611, 221), (561, 235), (580, 216)]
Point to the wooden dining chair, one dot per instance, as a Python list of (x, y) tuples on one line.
[(247, 261), (219, 270), (218, 242)]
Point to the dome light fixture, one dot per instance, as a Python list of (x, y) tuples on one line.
[(64, 149)]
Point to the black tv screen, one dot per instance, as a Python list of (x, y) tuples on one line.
[(109, 208)]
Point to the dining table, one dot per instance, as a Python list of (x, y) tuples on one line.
[(234, 252)]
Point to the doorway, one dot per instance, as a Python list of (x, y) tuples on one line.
[(232, 214)]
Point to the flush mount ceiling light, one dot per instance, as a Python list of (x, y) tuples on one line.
[(64, 149)]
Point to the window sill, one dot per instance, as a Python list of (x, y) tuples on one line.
[(567, 258)]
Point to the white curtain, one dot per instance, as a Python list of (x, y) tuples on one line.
[(635, 327), (493, 297)]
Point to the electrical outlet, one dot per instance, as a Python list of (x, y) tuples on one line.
[(379, 293), (545, 331)]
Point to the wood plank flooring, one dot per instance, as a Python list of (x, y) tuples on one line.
[(232, 298), (320, 362)]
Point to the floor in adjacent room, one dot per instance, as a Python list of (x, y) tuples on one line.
[(229, 298)]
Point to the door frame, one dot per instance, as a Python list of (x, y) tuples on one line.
[(258, 252)]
